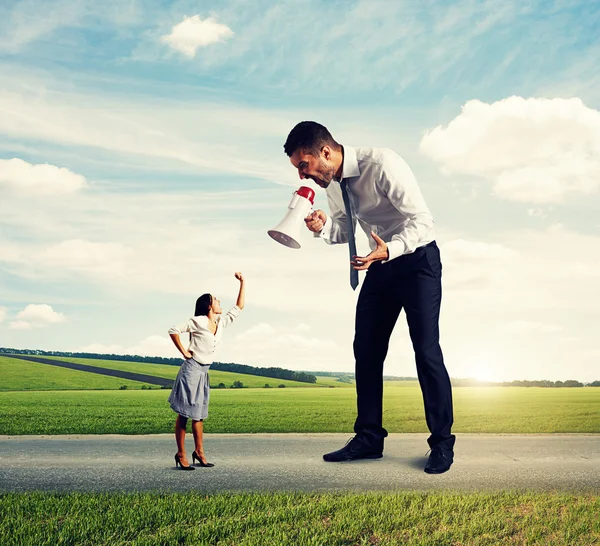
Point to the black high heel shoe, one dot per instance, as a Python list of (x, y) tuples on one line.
[(200, 463), (178, 463)]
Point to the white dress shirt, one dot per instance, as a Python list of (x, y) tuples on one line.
[(204, 343), (385, 198)]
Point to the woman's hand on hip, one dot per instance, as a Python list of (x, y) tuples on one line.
[(187, 354)]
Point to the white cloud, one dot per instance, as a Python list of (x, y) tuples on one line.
[(190, 135), (37, 316), (262, 330), (470, 250), (24, 178), (101, 260), (20, 325), (277, 346), (528, 327), (537, 212), (523, 313), (3, 313), (166, 254), (534, 150), (474, 264), (193, 33), (101, 348), (98, 261), (153, 345)]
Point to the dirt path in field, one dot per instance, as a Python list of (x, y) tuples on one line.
[(151, 379), (293, 462)]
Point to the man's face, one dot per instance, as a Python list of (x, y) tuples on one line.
[(319, 169)]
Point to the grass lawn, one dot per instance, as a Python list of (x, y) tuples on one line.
[(21, 375), (486, 409), (408, 518)]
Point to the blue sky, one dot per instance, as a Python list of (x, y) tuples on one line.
[(141, 164)]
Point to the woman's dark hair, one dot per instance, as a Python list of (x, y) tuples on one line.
[(203, 304), (310, 137)]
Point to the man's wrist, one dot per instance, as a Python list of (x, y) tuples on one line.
[(395, 248), (325, 232)]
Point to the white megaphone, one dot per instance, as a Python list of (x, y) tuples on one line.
[(287, 232)]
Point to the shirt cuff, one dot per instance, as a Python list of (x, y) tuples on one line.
[(174, 330), (325, 233), (235, 310), (395, 248)]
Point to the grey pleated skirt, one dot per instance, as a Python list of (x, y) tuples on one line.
[(191, 390)]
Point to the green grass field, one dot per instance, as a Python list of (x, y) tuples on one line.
[(216, 376), (487, 409), (21, 375), (408, 518)]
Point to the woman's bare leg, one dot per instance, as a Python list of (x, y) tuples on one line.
[(198, 430), (180, 425)]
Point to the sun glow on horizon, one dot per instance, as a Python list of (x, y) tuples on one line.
[(485, 367)]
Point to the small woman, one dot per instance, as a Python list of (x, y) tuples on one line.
[(191, 390)]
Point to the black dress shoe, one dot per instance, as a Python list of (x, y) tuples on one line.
[(354, 449), (439, 461)]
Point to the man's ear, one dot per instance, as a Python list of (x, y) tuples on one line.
[(326, 151)]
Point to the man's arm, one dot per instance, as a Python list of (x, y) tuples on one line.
[(334, 230), (400, 185)]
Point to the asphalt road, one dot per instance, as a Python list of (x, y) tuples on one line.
[(292, 462)]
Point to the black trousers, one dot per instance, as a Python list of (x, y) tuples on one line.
[(411, 282)]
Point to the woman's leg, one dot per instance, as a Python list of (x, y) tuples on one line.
[(180, 425), (198, 429)]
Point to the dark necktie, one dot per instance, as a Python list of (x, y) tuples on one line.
[(351, 239)]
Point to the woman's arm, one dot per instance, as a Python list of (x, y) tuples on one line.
[(174, 335), (227, 318), (242, 293), (177, 341)]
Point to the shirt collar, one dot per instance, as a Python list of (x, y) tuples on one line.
[(350, 163)]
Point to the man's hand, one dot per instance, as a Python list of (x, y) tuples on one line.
[(380, 253), (239, 276), (316, 221), (187, 354)]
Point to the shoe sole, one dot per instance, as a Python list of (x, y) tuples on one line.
[(436, 472), (370, 456)]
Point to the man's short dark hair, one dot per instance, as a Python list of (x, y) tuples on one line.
[(310, 137)]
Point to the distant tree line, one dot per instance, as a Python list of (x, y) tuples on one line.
[(522, 383), (276, 373), (345, 377), (333, 374)]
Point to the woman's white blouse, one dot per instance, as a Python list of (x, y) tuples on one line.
[(204, 343)]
